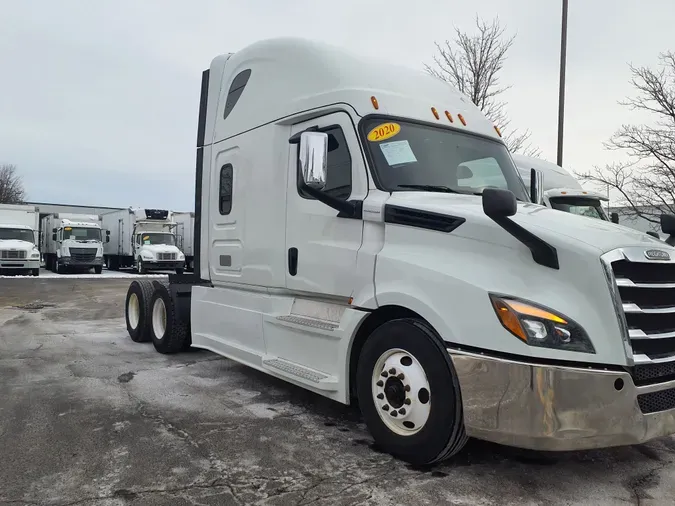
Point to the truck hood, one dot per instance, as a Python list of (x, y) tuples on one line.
[(17, 245), (551, 225)]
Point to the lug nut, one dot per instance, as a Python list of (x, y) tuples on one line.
[(386, 407), (401, 411), (385, 374), (380, 396), (401, 376), (407, 388), (407, 402), (394, 414), (392, 371), (380, 383)]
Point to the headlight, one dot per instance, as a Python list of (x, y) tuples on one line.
[(35, 254), (147, 256), (539, 326), (181, 256)]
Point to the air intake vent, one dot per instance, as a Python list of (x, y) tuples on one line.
[(421, 219)]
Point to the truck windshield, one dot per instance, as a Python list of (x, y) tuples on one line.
[(431, 158), (82, 234), (579, 205), (158, 238), (16, 234)]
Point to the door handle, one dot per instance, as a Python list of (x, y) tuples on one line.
[(292, 261)]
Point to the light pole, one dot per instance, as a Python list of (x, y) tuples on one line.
[(561, 95)]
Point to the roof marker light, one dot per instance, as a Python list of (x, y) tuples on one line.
[(433, 109), (461, 118), (499, 132), (374, 102), (449, 116)]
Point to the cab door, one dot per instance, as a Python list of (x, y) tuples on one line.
[(322, 248)]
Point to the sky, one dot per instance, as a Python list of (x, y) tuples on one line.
[(99, 99)]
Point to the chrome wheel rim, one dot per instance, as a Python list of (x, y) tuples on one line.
[(159, 318), (134, 310), (401, 392)]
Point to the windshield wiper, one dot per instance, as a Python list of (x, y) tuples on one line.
[(434, 188)]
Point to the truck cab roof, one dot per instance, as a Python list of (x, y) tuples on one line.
[(310, 75)]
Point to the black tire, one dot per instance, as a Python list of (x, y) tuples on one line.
[(142, 289), (58, 267), (98, 269), (443, 434), (139, 266), (179, 271), (176, 333), (35, 272)]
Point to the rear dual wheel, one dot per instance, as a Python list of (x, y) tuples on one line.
[(151, 315), (409, 394)]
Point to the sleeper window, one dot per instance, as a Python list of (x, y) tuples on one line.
[(225, 192), (339, 166)]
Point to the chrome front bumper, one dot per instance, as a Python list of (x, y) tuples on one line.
[(544, 407)]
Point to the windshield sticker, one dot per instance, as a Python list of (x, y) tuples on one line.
[(145, 238), (398, 152), (67, 229), (383, 132)]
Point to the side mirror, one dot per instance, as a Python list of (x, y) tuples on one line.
[(537, 186), (107, 232), (54, 230), (668, 224), (615, 217), (464, 172), (53, 237), (313, 156), (107, 238), (498, 203)]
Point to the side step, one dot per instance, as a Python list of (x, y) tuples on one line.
[(305, 375), (305, 321)]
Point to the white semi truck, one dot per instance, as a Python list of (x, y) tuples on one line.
[(19, 252), (342, 245), (141, 238), (185, 225), (72, 242), (561, 190)]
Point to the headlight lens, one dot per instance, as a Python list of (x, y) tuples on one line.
[(181, 256), (146, 255), (536, 325), (35, 254)]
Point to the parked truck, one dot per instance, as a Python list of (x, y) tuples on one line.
[(562, 191), (19, 252), (72, 242), (185, 225), (141, 238), (342, 245)]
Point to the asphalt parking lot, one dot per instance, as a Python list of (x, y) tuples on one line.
[(87, 417)]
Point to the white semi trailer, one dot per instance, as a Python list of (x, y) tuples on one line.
[(19, 252), (342, 245), (141, 238), (72, 242), (185, 225)]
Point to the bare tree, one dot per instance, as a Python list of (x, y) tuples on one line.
[(472, 63), (646, 182), (11, 186)]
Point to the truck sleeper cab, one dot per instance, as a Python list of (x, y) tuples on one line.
[(366, 235), (561, 190)]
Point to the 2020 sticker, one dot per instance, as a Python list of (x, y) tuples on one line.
[(384, 131)]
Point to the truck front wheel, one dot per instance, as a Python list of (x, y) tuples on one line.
[(409, 394), (98, 269), (35, 272)]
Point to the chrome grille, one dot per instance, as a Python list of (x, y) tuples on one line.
[(166, 256), (646, 289), (83, 254), (12, 254)]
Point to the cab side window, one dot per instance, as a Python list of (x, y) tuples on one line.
[(339, 166)]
